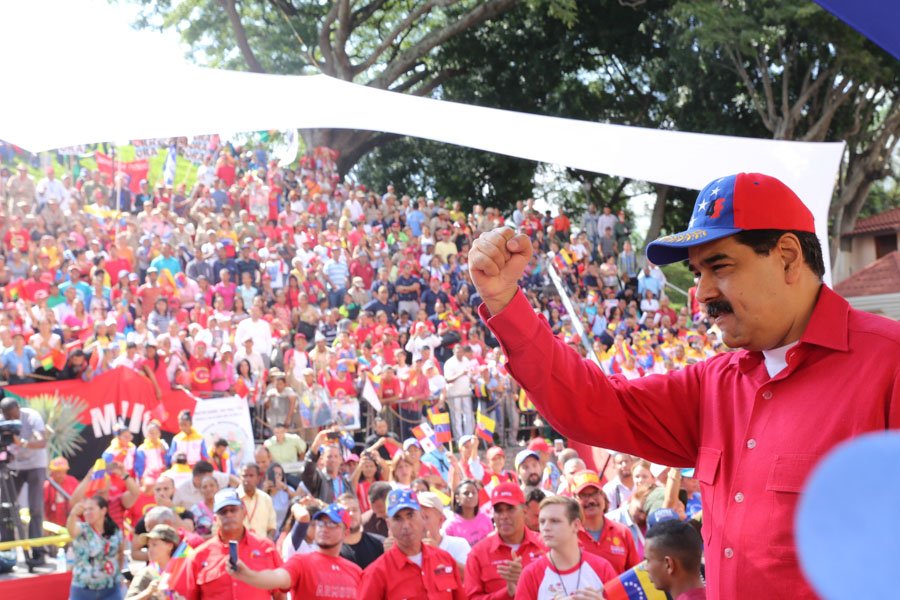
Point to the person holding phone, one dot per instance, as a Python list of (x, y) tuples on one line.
[(206, 574), (327, 483), (322, 573)]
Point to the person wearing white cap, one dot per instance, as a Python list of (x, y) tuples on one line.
[(435, 515), (207, 576)]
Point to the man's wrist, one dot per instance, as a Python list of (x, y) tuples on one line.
[(497, 304)]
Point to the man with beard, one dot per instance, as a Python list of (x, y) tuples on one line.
[(496, 562), (529, 470), (599, 535), (360, 547), (317, 575), (741, 418)]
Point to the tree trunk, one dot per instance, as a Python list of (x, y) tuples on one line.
[(659, 211), (351, 144)]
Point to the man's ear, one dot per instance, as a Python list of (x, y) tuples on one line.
[(670, 565), (791, 255)]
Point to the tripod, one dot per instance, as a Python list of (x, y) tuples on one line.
[(11, 526)]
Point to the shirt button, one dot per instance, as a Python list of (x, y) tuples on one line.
[(729, 553), (739, 497), (767, 395), (751, 443)]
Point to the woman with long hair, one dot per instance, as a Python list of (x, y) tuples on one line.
[(98, 546), (467, 521)]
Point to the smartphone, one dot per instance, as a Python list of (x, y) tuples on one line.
[(232, 554), (558, 445), (333, 435)]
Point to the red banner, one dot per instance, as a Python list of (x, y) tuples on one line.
[(121, 395), (136, 170)]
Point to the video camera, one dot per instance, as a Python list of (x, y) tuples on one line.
[(9, 430)]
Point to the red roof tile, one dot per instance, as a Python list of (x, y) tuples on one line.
[(889, 220), (880, 277)]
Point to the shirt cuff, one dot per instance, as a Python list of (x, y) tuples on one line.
[(515, 326)]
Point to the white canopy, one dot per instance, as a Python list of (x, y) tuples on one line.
[(129, 93)]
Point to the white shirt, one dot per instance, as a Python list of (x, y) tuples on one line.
[(776, 359), (462, 386), (456, 546), (259, 331)]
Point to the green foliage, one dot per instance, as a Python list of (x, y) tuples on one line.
[(60, 415), (678, 275)]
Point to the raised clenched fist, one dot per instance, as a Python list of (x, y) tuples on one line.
[(496, 263)]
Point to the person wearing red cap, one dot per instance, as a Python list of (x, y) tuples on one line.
[(566, 570), (318, 575), (599, 535), (496, 562), (743, 419)]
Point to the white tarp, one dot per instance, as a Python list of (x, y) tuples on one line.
[(124, 93)]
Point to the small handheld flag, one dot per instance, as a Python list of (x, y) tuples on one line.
[(633, 584), (425, 434), (441, 423), (484, 427)]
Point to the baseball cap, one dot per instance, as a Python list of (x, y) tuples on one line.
[(59, 464), (732, 204), (539, 445), (225, 498), (397, 500), (165, 533), (410, 442), (585, 479), (525, 455), (429, 500), (336, 513), (507, 493), (661, 514), (463, 440), (495, 451)]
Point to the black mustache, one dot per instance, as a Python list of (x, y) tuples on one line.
[(718, 307), (590, 505)]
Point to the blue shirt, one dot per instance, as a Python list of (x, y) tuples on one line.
[(170, 264), (415, 219), (11, 361)]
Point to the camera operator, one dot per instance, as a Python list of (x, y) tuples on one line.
[(29, 464)]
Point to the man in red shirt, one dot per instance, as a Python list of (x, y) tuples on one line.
[(56, 507), (410, 569), (566, 571), (318, 575), (599, 535), (743, 419), (206, 575), (496, 562)]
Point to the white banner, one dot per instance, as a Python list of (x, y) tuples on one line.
[(228, 419)]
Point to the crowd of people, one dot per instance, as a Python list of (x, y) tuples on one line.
[(347, 319)]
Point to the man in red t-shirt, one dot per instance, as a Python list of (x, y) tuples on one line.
[(566, 570), (317, 575), (56, 507)]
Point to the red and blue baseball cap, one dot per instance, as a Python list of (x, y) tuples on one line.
[(336, 513), (732, 204), (397, 500)]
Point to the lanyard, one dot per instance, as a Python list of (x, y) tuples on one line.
[(249, 512)]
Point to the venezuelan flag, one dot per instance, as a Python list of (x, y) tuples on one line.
[(440, 421), (99, 477), (633, 584), (484, 427)]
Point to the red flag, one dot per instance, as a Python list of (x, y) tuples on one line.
[(392, 446)]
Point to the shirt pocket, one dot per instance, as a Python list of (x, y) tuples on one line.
[(443, 584), (707, 473), (783, 486)]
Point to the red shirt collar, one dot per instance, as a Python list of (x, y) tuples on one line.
[(530, 538)]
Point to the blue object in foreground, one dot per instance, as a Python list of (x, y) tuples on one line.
[(852, 555)]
